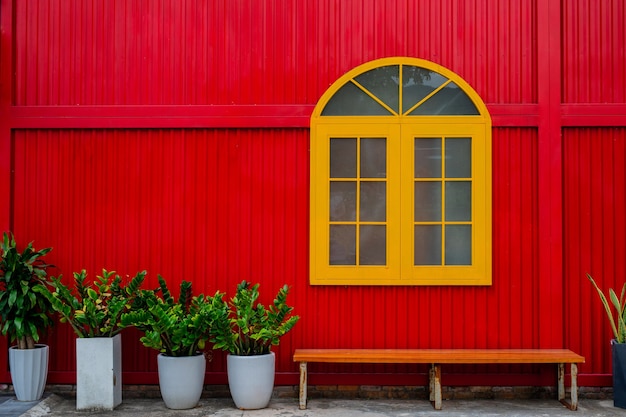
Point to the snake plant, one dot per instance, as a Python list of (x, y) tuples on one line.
[(617, 317)]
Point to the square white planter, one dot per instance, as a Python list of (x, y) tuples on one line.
[(98, 373)]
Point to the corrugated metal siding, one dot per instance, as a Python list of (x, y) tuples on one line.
[(594, 71), (218, 206), (594, 226), (259, 52), (213, 207), (594, 51)]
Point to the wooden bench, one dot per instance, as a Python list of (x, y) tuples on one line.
[(437, 357)]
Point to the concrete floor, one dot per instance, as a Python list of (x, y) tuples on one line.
[(57, 406)]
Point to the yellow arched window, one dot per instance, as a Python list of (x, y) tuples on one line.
[(400, 178)]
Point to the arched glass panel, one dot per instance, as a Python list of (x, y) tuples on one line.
[(383, 82), (433, 94), (350, 100), (450, 100), (417, 84)]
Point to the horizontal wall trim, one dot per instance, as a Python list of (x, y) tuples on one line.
[(592, 115), (105, 117), (267, 116)]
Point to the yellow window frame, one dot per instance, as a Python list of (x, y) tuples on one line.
[(400, 129)]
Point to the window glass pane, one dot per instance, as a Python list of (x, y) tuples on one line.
[(342, 244), (372, 245), (458, 201), (417, 83), (427, 157), (342, 201), (428, 245), (373, 158), (459, 244), (428, 201), (343, 157), (384, 83), (350, 100), (450, 100), (458, 158), (373, 202)]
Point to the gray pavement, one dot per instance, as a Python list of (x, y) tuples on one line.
[(57, 406), (11, 407)]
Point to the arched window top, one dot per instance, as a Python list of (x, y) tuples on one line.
[(400, 86)]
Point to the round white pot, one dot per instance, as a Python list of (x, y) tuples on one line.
[(251, 380), (181, 380), (29, 370)]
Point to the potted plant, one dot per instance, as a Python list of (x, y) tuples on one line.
[(23, 314), (247, 331), (617, 319), (94, 311), (178, 330)]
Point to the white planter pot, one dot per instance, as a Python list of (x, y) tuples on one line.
[(251, 380), (181, 380), (29, 370), (98, 373)]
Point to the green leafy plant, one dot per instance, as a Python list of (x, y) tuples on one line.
[(173, 327), (245, 329), (93, 310), (617, 317), (23, 313)]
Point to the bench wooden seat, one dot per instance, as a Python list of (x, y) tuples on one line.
[(437, 357)]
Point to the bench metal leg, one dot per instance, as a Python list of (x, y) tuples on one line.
[(434, 385), (303, 387), (573, 405)]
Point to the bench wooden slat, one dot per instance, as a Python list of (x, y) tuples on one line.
[(443, 356)]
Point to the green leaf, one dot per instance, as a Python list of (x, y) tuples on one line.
[(91, 293), (12, 298), (619, 336)]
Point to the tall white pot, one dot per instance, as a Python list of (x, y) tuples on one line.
[(251, 380), (98, 373), (181, 380), (29, 371)]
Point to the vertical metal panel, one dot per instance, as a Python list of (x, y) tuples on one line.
[(259, 52), (594, 56), (595, 230), (550, 171)]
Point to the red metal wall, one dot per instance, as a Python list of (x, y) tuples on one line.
[(120, 52), (172, 136), (594, 234), (594, 155)]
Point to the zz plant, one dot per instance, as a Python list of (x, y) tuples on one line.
[(23, 313), (244, 328), (173, 327), (617, 317), (93, 310)]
